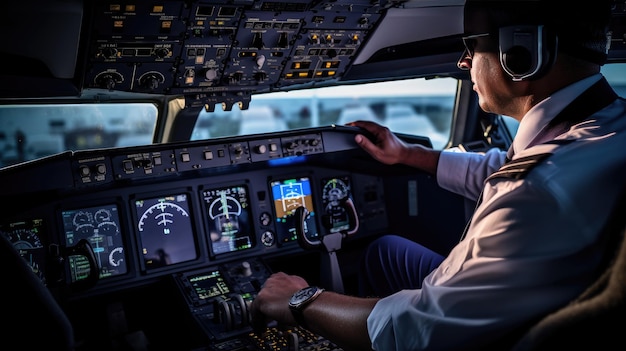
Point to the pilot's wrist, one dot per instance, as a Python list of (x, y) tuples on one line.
[(300, 300)]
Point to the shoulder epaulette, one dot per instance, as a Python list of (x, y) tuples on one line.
[(519, 168)]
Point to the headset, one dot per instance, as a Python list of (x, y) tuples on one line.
[(526, 51)]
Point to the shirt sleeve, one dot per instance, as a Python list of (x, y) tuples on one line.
[(464, 173)]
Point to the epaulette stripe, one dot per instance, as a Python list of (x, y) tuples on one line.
[(519, 168)]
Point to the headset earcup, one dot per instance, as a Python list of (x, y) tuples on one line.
[(526, 51), (517, 59)]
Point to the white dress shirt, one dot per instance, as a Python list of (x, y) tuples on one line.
[(530, 246)]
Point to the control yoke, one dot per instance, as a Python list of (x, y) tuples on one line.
[(82, 248), (329, 243)]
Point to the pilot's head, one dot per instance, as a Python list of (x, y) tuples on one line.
[(529, 34)]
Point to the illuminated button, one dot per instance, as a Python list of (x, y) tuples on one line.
[(157, 160), (208, 155), (185, 157), (273, 147), (260, 149)]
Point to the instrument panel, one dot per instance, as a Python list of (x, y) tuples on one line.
[(144, 223)]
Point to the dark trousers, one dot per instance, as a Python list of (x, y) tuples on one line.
[(392, 263)]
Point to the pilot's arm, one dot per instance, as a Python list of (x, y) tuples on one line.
[(340, 318)]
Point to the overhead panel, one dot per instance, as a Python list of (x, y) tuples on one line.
[(221, 52)]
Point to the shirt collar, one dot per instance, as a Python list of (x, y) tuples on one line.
[(541, 114)]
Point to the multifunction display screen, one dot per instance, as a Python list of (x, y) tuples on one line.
[(208, 285), (228, 215), (165, 230), (288, 195), (100, 225), (335, 192)]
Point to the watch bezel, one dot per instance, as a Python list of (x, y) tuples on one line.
[(304, 296)]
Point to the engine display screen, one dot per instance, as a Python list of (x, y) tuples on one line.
[(100, 225), (288, 195), (165, 230), (228, 215)]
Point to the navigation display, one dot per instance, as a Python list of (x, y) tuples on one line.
[(100, 225), (228, 216), (165, 230), (288, 195)]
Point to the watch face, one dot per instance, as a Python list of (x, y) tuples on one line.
[(303, 296)]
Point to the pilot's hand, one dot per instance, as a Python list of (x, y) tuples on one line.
[(386, 146), (272, 301)]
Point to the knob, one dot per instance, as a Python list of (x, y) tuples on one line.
[(150, 81), (106, 81), (209, 73), (265, 219), (314, 38), (245, 269), (260, 149), (109, 52), (84, 171), (238, 151), (161, 52), (267, 238), (101, 168), (260, 61), (354, 38)]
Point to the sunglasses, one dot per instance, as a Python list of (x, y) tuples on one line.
[(470, 44)]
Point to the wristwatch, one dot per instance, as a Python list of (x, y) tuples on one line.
[(300, 300)]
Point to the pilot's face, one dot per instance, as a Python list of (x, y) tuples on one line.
[(490, 82), (481, 58)]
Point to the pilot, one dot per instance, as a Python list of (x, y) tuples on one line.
[(534, 242)]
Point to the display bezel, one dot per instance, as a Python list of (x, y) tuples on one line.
[(89, 211), (284, 213), (331, 206), (186, 228), (242, 211)]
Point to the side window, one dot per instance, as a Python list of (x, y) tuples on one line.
[(32, 131)]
